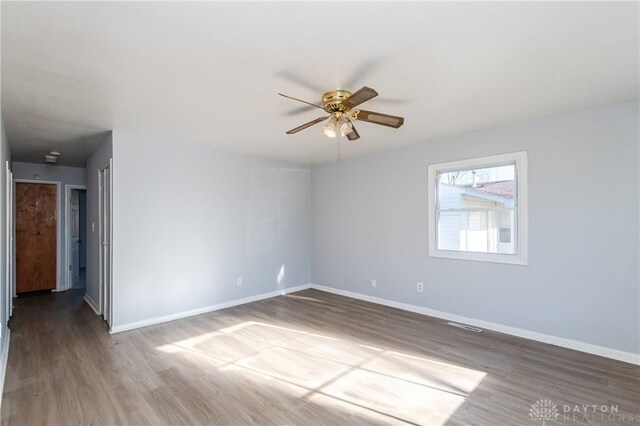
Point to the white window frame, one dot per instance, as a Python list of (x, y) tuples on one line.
[(520, 257)]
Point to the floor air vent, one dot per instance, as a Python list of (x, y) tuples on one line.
[(465, 327)]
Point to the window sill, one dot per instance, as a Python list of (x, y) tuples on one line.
[(511, 259)]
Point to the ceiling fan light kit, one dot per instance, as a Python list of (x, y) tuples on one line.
[(340, 105), (329, 129), (338, 124), (345, 126)]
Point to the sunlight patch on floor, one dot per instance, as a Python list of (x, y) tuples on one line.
[(374, 383)]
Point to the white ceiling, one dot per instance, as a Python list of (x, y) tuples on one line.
[(209, 72)]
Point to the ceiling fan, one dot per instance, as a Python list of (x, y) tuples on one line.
[(340, 104)]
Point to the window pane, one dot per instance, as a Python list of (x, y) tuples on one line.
[(474, 209), (478, 188), (486, 231)]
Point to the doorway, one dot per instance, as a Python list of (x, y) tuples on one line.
[(76, 236), (36, 228)]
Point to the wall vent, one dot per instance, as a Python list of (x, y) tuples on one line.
[(465, 327)]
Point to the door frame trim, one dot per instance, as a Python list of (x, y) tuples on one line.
[(58, 185), (10, 246), (67, 237), (106, 288)]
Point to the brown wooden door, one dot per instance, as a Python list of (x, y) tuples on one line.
[(36, 236)]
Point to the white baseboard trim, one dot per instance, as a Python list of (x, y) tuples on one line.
[(190, 313), (514, 331), (3, 361), (91, 303)]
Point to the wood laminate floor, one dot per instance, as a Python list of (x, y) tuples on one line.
[(306, 358)]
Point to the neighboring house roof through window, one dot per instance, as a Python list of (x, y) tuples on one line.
[(504, 189)]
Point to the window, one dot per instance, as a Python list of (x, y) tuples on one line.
[(478, 209)]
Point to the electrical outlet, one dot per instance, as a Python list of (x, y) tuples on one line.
[(420, 288), (373, 283), (239, 281)]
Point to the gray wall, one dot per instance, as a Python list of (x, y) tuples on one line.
[(66, 176), (98, 161), (189, 220), (370, 222)]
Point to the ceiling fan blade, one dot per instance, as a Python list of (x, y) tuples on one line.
[(300, 110), (309, 124), (363, 70), (288, 75), (359, 97), (354, 134), (379, 118), (300, 100)]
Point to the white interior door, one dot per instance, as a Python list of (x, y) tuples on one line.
[(105, 241), (74, 225), (9, 246), (12, 241)]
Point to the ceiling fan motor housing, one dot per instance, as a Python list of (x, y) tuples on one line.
[(331, 101)]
